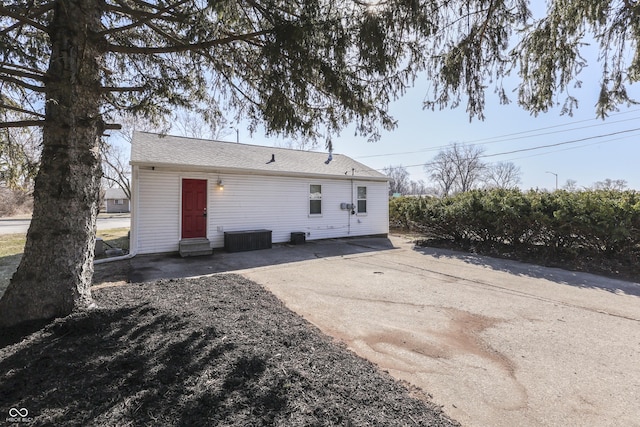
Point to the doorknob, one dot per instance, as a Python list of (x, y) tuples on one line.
[(205, 212)]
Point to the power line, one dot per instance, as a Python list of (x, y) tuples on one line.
[(561, 131), (556, 126), (539, 147), (560, 143), (505, 137), (570, 148)]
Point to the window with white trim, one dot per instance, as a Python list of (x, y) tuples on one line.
[(119, 202), (362, 200), (315, 199)]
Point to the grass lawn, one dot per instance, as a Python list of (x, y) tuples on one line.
[(11, 244), (116, 237), (12, 247)]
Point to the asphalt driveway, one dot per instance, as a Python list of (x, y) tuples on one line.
[(497, 343)]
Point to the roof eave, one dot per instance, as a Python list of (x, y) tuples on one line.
[(243, 171)]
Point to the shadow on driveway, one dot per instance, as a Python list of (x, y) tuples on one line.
[(557, 275), (146, 268)]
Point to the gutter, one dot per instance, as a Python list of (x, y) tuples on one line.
[(260, 172)]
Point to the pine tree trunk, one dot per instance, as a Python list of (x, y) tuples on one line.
[(54, 275)]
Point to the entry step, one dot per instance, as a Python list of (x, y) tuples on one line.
[(195, 247)]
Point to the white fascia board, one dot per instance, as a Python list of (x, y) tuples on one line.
[(240, 171)]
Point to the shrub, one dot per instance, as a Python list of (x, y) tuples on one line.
[(605, 222)]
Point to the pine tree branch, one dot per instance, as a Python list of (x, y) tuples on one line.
[(20, 83), (143, 18), (122, 89), (30, 123), (141, 14), (152, 50), (21, 110), (25, 20), (38, 77), (34, 71), (161, 9), (155, 6), (38, 11), (634, 7), (22, 124)]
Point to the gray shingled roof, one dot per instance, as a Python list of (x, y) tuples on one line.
[(150, 149), (114, 193)]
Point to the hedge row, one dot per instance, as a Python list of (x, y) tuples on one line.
[(599, 221)]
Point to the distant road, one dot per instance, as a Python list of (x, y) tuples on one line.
[(12, 226)]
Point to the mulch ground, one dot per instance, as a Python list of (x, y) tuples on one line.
[(210, 351)]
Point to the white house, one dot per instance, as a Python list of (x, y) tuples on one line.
[(115, 201), (185, 189)]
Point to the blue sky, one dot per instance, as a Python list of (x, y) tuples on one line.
[(422, 133)]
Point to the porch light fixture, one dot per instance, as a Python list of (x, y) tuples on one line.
[(220, 185)]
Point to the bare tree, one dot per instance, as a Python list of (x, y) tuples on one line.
[(19, 157), (610, 184), (469, 166), (116, 170), (115, 159), (458, 168), (203, 126), (570, 185), (130, 123), (398, 179), (418, 188), (305, 144), (442, 172), (503, 175)]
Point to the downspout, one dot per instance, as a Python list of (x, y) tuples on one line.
[(115, 258), (133, 226), (350, 210)]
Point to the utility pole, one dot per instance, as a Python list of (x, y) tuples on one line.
[(237, 133), (553, 173)]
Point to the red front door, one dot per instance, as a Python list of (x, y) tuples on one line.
[(194, 208)]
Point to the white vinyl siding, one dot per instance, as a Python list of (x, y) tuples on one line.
[(279, 204), (250, 202), (158, 215), (376, 220)]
